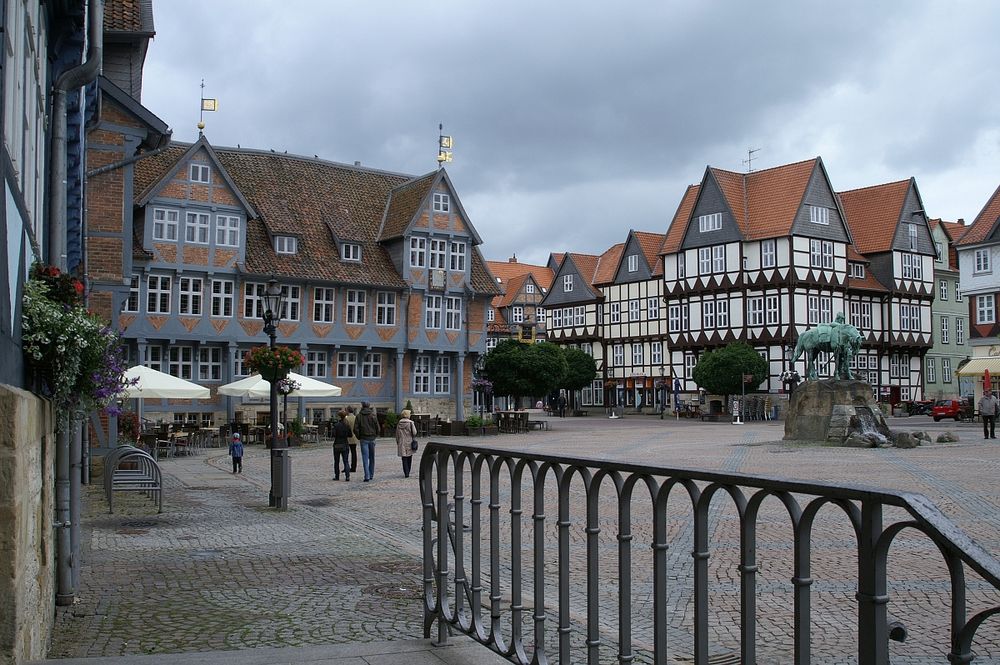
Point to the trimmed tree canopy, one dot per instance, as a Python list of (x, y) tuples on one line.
[(524, 369), (721, 372), (581, 369)]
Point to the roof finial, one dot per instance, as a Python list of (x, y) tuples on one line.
[(206, 105), (444, 146)]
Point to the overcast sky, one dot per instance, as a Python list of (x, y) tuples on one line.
[(574, 122)]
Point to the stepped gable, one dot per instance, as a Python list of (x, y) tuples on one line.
[(873, 214), (985, 223)]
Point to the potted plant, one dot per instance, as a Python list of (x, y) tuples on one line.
[(273, 363), (474, 425)]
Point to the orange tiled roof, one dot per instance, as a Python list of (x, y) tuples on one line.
[(869, 283), (984, 223), (607, 265), (511, 289), (651, 244), (955, 230), (122, 16), (774, 196), (873, 214), (507, 270), (678, 225), (854, 255)]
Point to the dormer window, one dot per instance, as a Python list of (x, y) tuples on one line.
[(286, 244), (819, 215), (712, 222), (442, 202), (633, 263), (351, 251), (858, 270), (200, 173)]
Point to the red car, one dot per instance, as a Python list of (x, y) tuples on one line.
[(947, 408)]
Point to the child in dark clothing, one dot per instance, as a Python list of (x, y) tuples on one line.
[(236, 452)]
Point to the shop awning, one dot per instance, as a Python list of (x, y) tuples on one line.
[(977, 366)]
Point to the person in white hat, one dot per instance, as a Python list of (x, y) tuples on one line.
[(236, 452)]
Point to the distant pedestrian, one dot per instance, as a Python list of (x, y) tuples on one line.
[(562, 404), (406, 433), (341, 437), (988, 407), (366, 427), (236, 452), (353, 441)]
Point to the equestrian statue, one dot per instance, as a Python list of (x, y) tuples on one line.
[(839, 338)]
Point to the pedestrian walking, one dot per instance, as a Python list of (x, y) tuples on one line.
[(406, 433), (236, 452), (562, 404), (988, 407), (341, 437), (353, 441), (366, 427)]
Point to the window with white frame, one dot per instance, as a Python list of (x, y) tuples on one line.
[(180, 362), (210, 363), (815, 253), (442, 202), (985, 309), (316, 363), (351, 251), (165, 224), (579, 315), (946, 374), (904, 393), (722, 313), (196, 228), (529, 288), (356, 306), (286, 244), (491, 315), (911, 230), (711, 222), (567, 283), (958, 292), (939, 251), (618, 355), (915, 318), (239, 367), (633, 263), (704, 260), (227, 230), (637, 354), (819, 215), (827, 254), (517, 314), (858, 270), (223, 293), (656, 353), (422, 375), (158, 294), (437, 252), (557, 318), (719, 258), (291, 302), (896, 366), (253, 300), (615, 312), (432, 312), (942, 289), (982, 262), (633, 310), (768, 253), (371, 366), (189, 296), (708, 314), (690, 360), (825, 309), (588, 348), (153, 358), (540, 315), (813, 310), (453, 313), (681, 267), (442, 375), (945, 334), (652, 308), (200, 173), (131, 304), (385, 308), (959, 330), (674, 318), (457, 258), (931, 365), (347, 364), (771, 310), (324, 304), (418, 252), (755, 311)]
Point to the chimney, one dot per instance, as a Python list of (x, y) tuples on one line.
[(961, 220), (512, 259), (357, 163)]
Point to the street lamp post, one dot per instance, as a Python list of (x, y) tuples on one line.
[(280, 462)]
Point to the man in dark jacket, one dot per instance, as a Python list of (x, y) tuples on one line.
[(366, 429)]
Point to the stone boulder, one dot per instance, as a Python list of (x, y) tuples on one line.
[(905, 440), (922, 436), (947, 437)]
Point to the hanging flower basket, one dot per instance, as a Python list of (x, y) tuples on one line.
[(273, 364)]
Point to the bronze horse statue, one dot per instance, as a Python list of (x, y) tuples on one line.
[(838, 338)]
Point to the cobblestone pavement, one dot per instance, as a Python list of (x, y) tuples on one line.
[(219, 571)]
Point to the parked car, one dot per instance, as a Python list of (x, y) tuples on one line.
[(947, 408)]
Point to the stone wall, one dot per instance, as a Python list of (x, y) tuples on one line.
[(27, 541)]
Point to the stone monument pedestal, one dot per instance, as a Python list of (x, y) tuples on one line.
[(839, 413)]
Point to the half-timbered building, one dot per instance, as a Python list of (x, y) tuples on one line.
[(949, 318), (517, 312)]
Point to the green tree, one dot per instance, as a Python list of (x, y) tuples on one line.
[(721, 372), (580, 369), (524, 369)]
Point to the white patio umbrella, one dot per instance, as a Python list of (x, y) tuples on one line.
[(153, 383), (256, 386)]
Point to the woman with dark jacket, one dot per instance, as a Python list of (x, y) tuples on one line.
[(341, 437), (406, 431)]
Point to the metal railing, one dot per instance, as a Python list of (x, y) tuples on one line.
[(609, 607)]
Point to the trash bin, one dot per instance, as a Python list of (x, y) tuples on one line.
[(715, 407)]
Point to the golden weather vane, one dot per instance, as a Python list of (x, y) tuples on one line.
[(207, 104), (444, 147)]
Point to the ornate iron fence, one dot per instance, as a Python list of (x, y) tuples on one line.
[(595, 610)]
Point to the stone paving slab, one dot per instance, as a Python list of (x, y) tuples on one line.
[(219, 571)]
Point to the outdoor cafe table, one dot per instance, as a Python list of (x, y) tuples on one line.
[(511, 422)]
